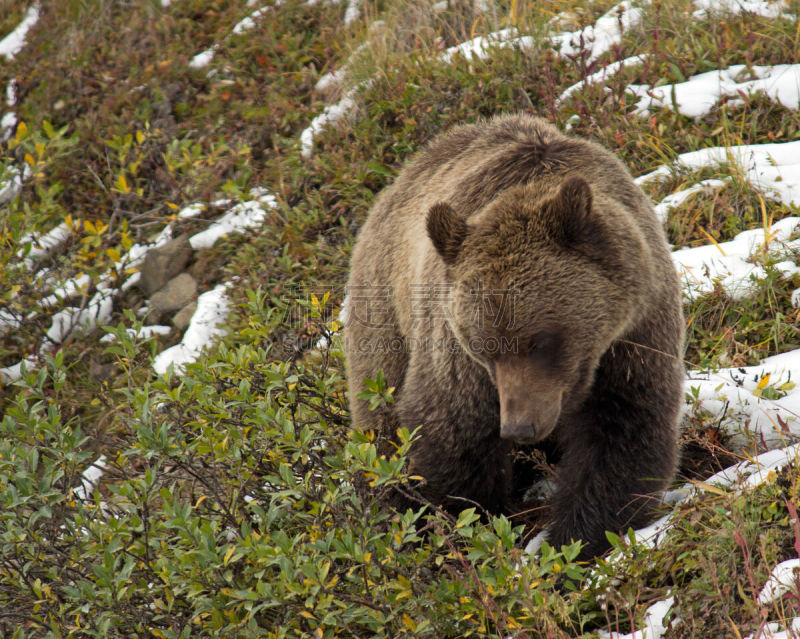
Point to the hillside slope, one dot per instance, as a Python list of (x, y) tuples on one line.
[(186, 175)]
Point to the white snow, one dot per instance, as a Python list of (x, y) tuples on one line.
[(69, 288), (331, 80), (12, 373), (46, 244), (13, 43), (481, 46), (596, 39), (774, 631), (243, 216), (352, 12), (212, 309), (751, 473), (733, 265), (11, 92), (677, 198), (602, 75), (654, 623), (601, 37), (89, 478), (782, 579), (330, 114), (204, 58), (70, 320), (12, 186), (756, 7), (732, 398), (774, 168), (696, 96), (8, 124), (146, 332)]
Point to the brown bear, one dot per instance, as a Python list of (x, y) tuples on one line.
[(515, 286)]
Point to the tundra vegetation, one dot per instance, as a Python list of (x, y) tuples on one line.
[(228, 497)]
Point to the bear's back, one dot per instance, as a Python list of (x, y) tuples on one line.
[(470, 166)]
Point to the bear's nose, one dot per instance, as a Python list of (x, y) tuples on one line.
[(520, 432)]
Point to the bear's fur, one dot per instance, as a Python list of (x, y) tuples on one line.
[(514, 285)]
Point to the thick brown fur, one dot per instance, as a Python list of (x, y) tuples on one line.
[(515, 281)]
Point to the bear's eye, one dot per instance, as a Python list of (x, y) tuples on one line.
[(544, 345)]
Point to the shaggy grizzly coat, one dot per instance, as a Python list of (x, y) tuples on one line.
[(515, 286)]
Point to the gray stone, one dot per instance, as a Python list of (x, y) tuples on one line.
[(178, 292), (163, 263), (184, 316)]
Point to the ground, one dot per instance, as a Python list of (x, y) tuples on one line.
[(228, 497)]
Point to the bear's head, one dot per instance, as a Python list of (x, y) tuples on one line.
[(539, 288)]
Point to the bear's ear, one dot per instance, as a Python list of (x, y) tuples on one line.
[(447, 231), (571, 210)]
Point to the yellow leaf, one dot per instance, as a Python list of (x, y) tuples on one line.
[(89, 227), (200, 500), (39, 148), (409, 623), (716, 490), (228, 555), (306, 614), (174, 207), (139, 137), (314, 301), (122, 184), (29, 159), (68, 220), (763, 382), (113, 254), (334, 326), (22, 131)]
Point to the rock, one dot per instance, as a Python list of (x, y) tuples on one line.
[(178, 292), (184, 316), (163, 263)]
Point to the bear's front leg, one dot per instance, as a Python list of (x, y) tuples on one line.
[(619, 451)]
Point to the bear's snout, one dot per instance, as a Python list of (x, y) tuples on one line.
[(530, 402), (524, 433)]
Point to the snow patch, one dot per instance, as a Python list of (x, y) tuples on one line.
[(212, 309), (12, 186), (89, 479), (243, 216), (352, 13), (756, 7), (732, 397), (331, 114), (774, 168), (45, 245), (73, 320), (784, 578), (481, 46), (677, 198), (604, 34), (697, 96), (145, 332), (12, 373), (602, 75), (13, 43), (204, 58), (733, 264), (654, 623)]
